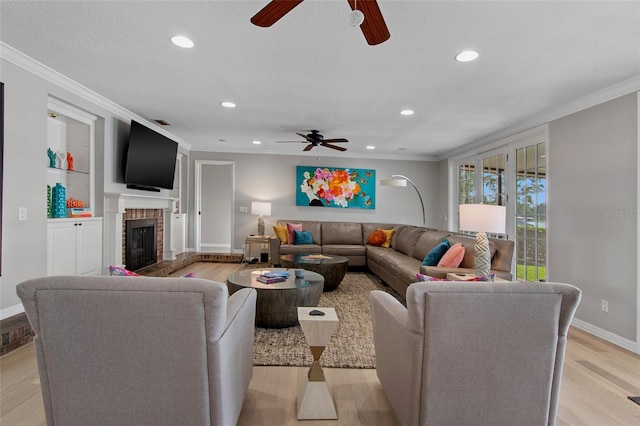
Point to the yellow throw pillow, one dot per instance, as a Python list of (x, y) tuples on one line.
[(389, 234), (281, 233)]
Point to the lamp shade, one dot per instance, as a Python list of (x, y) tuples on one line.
[(483, 218), (393, 182), (260, 208)]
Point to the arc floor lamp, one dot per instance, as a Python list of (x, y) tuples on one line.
[(400, 180)]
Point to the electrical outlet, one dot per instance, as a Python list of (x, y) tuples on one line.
[(243, 209), (605, 305)]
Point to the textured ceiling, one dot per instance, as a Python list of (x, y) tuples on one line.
[(313, 71)]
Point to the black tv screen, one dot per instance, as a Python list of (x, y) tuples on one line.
[(151, 159)]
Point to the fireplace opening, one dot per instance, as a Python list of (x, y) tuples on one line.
[(140, 243)]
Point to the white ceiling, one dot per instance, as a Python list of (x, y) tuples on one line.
[(313, 71)]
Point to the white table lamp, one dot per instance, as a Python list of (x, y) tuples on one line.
[(261, 209), (482, 218)]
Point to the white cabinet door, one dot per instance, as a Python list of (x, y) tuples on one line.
[(61, 248), (178, 227), (74, 247), (89, 248)]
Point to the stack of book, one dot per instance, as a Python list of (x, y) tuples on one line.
[(273, 277)]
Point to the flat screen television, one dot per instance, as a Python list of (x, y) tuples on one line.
[(151, 159)]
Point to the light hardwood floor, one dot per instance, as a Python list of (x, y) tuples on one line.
[(597, 379)]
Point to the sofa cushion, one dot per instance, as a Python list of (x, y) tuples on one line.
[(377, 237), (341, 233), (302, 237), (436, 253), (469, 244), (427, 241), (389, 235), (344, 249), (290, 228), (406, 238), (307, 225), (368, 228), (426, 278), (453, 256), (281, 233), (300, 249)]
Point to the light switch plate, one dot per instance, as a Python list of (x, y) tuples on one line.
[(22, 213)]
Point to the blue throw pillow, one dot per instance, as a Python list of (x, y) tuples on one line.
[(302, 237), (436, 253)]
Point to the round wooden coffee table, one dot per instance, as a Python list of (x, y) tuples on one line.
[(333, 268), (277, 303)]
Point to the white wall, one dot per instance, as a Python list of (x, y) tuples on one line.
[(592, 211), (273, 178), (24, 243)]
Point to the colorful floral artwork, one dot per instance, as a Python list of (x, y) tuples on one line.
[(336, 187)]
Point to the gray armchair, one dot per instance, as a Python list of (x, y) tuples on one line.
[(139, 350), (476, 353)]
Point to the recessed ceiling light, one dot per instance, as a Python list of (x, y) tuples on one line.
[(406, 112), (466, 56), (182, 41), (371, 147), (228, 104), (257, 142)]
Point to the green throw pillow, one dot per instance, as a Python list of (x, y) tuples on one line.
[(302, 237), (436, 253)]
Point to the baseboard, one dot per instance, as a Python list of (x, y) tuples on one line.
[(605, 335), (11, 311)]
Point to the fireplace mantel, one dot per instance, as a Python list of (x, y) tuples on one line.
[(119, 202), (115, 206)]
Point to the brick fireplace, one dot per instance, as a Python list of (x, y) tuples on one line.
[(120, 208), (137, 246)]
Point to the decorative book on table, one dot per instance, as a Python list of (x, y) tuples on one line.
[(270, 280)]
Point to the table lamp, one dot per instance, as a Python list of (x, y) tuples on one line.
[(261, 209), (482, 218)]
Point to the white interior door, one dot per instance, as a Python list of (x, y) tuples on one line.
[(214, 206)]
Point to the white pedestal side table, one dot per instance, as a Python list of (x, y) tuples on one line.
[(314, 398)]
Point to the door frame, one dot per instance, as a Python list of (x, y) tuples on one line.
[(198, 199)]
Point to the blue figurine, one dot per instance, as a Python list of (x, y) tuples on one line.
[(52, 158)]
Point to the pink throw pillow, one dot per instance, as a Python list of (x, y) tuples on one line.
[(453, 257), (422, 278), (290, 228)]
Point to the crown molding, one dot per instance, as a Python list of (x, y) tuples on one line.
[(18, 58), (612, 92), (325, 153)]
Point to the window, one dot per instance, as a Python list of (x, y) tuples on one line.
[(516, 171), (531, 212)]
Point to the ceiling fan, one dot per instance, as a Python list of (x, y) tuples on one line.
[(374, 28), (316, 139)]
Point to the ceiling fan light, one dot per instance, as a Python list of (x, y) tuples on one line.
[(356, 18)]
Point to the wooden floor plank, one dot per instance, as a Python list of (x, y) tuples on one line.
[(597, 379)]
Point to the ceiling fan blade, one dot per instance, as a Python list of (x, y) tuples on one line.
[(271, 13), (291, 141), (339, 148), (308, 147), (336, 140), (374, 28)]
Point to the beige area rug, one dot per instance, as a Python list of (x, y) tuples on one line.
[(351, 345)]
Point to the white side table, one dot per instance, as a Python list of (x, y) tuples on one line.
[(314, 398)]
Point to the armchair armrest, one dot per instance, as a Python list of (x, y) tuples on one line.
[(240, 300), (398, 352)]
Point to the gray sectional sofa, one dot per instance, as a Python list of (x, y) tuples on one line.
[(397, 265)]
